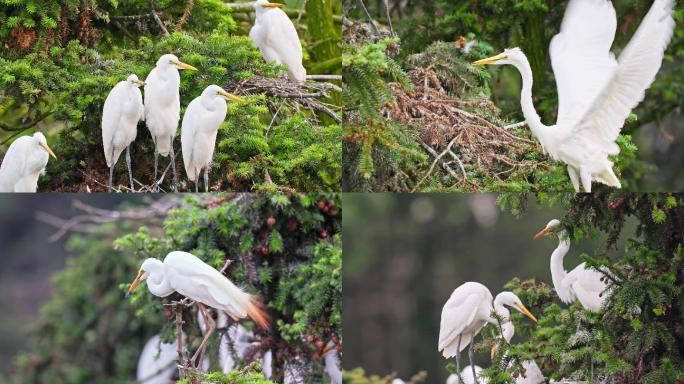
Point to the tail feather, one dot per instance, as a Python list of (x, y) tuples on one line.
[(608, 178), (256, 310)]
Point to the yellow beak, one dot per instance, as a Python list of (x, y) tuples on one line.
[(526, 312), (273, 5), (182, 65), (142, 83), (135, 283), (231, 97), (49, 150), (541, 233), (491, 60)]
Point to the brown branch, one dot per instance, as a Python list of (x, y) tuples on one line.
[(26, 124), (160, 23), (186, 14)]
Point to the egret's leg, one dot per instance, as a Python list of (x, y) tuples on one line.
[(173, 166), (128, 164), (585, 176), (206, 179), (197, 180), (472, 365), (155, 186), (458, 360), (574, 177), (109, 185), (211, 325)]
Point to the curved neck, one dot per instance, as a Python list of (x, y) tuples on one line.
[(531, 117), (558, 273), (500, 310), (157, 282)]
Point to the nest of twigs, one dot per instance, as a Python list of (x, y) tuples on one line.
[(457, 139)]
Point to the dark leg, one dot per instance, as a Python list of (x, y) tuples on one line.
[(155, 186), (128, 164), (196, 181), (206, 179), (173, 166), (111, 172), (458, 360), (470, 357)]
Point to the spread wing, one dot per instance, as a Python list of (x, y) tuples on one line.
[(581, 58), (637, 67)]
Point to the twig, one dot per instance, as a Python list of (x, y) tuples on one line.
[(445, 166), (324, 77), (186, 14), (516, 125), (370, 18), (432, 167), (159, 22)]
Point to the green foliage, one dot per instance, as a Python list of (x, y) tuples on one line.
[(638, 338), (358, 376), (285, 248), (250, 374)]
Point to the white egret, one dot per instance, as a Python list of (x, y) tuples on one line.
[(466, 312), (276, 37), (596, 92), (582, 283), (24, 162), (186, 274), (122, 110), (157, 362), (532, 374), (201, 122), (331, 359), (467, 375), (162, 107)]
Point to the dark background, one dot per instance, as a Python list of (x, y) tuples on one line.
[(404, 255)]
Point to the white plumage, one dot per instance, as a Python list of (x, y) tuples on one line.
[(276, 37), (467, 375), (532, 373), (122, 110), (201, 122), (162, 105), (596, 92), (24, 162), (157, 362), (582, 283)]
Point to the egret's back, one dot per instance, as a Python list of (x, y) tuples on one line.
[(162, 107), (460, 317), (277, 36), (122, 110)]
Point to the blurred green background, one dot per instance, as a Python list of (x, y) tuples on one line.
[(404, 255), (29, 259)]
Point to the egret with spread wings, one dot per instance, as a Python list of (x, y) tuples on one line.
[(596, 92)]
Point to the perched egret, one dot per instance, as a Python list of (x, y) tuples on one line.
[(532, 373), (186, 274), (467, 375), (201, 122), (332, 363), (582, 283), (276, 37), (596, 92), (466, 312), (162, 107), (122, 110), (24, 161), (157, 362)]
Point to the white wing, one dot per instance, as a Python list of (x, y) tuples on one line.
[(13, 165), (637, 67), (533, 375), (581, 58), (156, 364), (588, 287), (459, 314), (111, 117), (188, 135), (282, 38)]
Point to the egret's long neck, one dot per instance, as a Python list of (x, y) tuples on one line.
[(157, 282), (500, 310), (531, 117), (557, 271)]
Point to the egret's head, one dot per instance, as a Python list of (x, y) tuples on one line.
[(42, 142), (144, 272), (170, 60), (216, 91), (134, 81), (553, 226), (262, 5), (507, 331), (509, 56), (512, 300)]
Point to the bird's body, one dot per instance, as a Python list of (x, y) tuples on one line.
[(332, 363), (162, 105), (596, 92), (277, 39), (467, 375), (532, 374), (157, 362), (201, 122), (467, 311), (122, 110), (23, 163), (581, 283)]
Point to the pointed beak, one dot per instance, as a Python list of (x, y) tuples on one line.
[(232, 97), (135, 283), (541, 233), (140, 82), (493, 353), (526, 312), (45, 146), (273, 5), (182, 65), (491, 60)]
